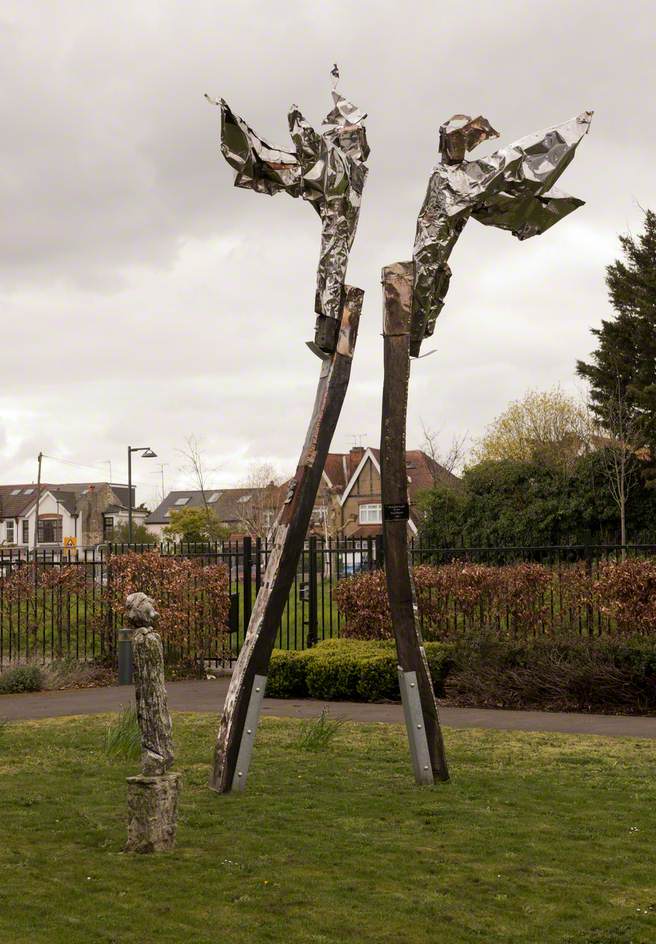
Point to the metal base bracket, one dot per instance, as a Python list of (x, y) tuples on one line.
[(248, 737), (414, 723)]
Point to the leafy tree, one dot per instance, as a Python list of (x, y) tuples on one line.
[(532, 503), (544, 425), (140, 534), (195, 526), (625, 358)]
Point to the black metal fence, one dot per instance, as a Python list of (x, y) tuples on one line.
[(46, 619)]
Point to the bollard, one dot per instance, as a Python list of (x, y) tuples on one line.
[(125, 665)]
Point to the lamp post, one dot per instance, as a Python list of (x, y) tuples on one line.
[(147, 453)]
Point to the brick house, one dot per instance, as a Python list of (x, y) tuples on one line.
[(349, 503), (359, 508)]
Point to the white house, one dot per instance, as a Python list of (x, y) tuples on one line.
[(70, 515)]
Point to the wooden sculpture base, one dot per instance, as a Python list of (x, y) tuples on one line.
[(419, 705), (242, 706), (152, 812)]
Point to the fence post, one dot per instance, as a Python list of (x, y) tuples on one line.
[(125, 666), (258, 564), (313, 633), (380, 552), (589, 612), (247, 567)]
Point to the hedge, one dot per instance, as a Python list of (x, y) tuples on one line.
[(481, 670), (520, 600), (347, 670), (594, 674)]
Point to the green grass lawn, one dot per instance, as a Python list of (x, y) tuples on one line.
[(538, 838)]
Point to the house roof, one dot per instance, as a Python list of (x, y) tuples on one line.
[(230, 505), (12, 505), (336, 469), (424, 472), (67, 494)]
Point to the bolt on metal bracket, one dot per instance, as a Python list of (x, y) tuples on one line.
[(414, 723)]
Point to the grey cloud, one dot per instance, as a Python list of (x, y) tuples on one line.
[(141, 294)]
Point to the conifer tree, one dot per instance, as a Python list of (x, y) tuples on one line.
[(624, 363)]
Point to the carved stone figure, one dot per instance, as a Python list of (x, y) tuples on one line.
[(152, 710), (152, 796)]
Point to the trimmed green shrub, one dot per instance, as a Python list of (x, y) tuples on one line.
[(24, 678), (482, 670), (347, 670), (286, 678)]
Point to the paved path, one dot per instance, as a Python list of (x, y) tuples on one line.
[(209, 695)]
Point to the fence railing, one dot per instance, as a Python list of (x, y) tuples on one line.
[(47, 619)]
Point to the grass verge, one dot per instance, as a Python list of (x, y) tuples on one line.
[(539, 837)]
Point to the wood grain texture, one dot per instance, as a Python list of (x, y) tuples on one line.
[(287, 544), (152, 710), (152, 812), (397, 311)]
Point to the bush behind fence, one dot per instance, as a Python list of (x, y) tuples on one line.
[(68, 605)]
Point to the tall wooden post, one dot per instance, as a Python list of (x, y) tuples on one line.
[(244, 699), (419, 705)]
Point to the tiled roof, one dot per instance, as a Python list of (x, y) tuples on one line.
[(227, 507), (68, 494), (424, 472)]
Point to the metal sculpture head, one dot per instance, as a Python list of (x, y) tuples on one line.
[(328, 170), (140, 610), (511, 189), (461, 134), (344, 127)]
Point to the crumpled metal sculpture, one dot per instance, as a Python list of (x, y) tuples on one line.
[(328, 170), (512, 189)]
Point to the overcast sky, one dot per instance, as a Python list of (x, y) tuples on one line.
[(144, 299)]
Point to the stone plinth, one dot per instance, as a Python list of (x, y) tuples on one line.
[(152, 812)]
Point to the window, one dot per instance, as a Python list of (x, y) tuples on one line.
[(181, 501), (26, 531), (50, 531), (28, 491), (370, 514), (214, 498), (108, 528), (16, 491), (10, 532), (244, 498), (268, 518)]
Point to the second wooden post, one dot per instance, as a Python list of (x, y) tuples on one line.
[(419, 704)]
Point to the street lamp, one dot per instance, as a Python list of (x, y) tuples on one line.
[(147, 453)]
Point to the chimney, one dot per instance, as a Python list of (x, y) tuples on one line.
[(355, 457)]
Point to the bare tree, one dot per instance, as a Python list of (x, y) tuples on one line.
[(622, 448), (257, 508), (195, 468), (452, 460)]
